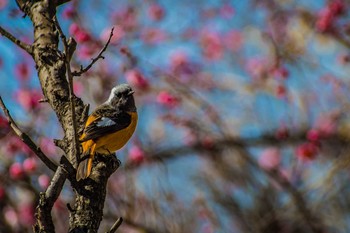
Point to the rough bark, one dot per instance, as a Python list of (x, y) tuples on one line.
[(51, 66)]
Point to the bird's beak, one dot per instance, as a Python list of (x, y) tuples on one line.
[(131, 92)]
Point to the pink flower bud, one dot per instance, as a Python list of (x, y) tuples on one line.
[(22, 72), (16, 171), (30, 165), (136, 79), (156, 12), (136, 154), (307, 151), (270, 158), (44, 181), (166, 99)]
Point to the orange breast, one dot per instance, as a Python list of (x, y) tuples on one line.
[(113, 142)]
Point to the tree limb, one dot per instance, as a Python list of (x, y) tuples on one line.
[(19, 43), (26, 139)]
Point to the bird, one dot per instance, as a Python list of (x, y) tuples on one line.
[(108, 128)]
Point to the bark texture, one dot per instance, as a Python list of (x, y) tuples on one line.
[(51, 66)]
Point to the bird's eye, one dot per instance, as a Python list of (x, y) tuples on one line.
[(119, 94)]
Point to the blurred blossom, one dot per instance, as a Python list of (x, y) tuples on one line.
[(281, 91), (211, 44), (26, 214), (155, 12), (11, 216), (69, 12), (127, 17), (313, 135), (343, 59), (47, 146), (136, 79), (326, 124), (28, 99), (15, 145), (307, 151), (80, 35), (166, 99), (257, 67), (282, 133), (22, 71), (4, 126), (44, 181), (118, 34), (3, 4), (30, 165), (270, 158), (136, 154), (87, 51), (327, 15), (233, 40), (78, 88), (227, 11), (16, 171), (280, 73), (153, 35)]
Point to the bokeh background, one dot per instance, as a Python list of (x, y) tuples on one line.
[(243, 114)]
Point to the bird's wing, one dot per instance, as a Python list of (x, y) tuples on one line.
[(110, 122)]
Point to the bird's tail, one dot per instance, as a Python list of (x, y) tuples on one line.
[(85, 166)]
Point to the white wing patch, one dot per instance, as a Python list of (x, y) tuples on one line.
[(105, 121)]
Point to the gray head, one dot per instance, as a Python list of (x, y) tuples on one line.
[(122, 97)]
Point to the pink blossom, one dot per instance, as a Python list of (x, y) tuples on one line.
[(233, 40), (44, 181), (127, 17), (211, 44), (326, 125), (80, 34), (16, 171), (282, 133), (11, 216), (313, 135), (78, 88), (3, 4), (22, 71), (136, 79), (136, 154), (47, 145), (307, 151), (30, 165), (14, 145), (257, 67), (325, 20), (153, 35), (280, 72), (166, 99), (69, 12), (26, 214), (343, 59), (87, 51), (28, 99), (227, 11), (178, 58), (156, 12), (270, 158), (118, 34), (338, 7), (281, 91)]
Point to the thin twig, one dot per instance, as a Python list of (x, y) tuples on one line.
[(68, 53), (21, 44), (83, 70), (116, 225), (26, 139)]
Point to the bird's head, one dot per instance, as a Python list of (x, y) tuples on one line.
[(122, 97)]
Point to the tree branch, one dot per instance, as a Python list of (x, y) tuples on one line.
[(26, 139), (69, 49), (116, 225), (83, 70), (19, 43)]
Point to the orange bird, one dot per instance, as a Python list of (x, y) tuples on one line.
[(108, 128)]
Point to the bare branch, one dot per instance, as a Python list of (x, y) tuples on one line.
[(69, 49), (26, 139), (83, 70), (116, 225), (43, 216), (21, 44)]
